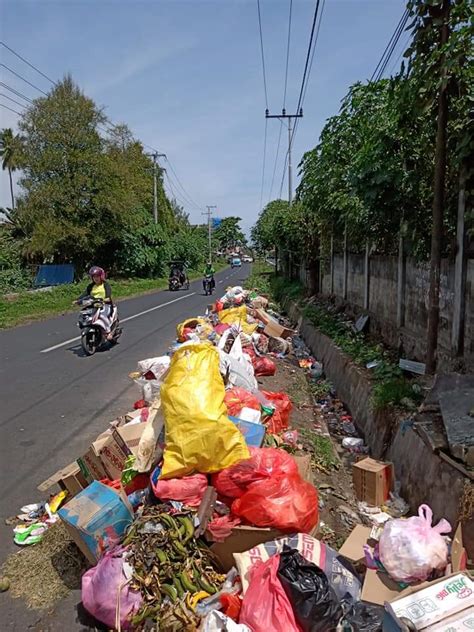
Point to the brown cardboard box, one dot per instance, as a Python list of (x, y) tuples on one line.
[(378, 587), (124, 441), (69, 478), (373, 481), (90, 463), (272, 326), (244, 538)]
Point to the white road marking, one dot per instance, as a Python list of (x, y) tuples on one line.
[(124, 320), (220, 281)]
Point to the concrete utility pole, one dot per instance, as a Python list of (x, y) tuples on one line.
[(155, 155), (289, 117), (209, 214)]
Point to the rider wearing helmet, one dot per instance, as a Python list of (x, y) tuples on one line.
[(209, 271), (99, 288)]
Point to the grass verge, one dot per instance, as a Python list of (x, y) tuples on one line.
[(24, 307)]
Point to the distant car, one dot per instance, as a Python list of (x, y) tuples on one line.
[(236, 262), (247, 259)]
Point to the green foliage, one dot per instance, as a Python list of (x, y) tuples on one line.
[(229, 234), (13, 275)]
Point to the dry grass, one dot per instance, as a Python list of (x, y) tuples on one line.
[(43, 574)]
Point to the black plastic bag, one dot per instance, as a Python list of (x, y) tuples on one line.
[(363, 617), (314, 602)]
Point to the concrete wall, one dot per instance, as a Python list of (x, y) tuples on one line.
[(424, 476), (383, 284)]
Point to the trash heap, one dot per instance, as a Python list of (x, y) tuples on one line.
[(190, 522)]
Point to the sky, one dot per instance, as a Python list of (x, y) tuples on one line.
[(186, 76)]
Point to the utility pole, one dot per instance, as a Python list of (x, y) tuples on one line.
[(155, 155), (438, 205), (209, 214), (288, 117)]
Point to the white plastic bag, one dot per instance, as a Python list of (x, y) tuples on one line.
[(216, 621), (156, 365), (238, 364), (412, 549), (146, 452)]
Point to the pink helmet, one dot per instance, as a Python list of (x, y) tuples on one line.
[(96, 271)]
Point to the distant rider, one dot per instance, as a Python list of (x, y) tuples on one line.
[(100, 288), (209, 272)]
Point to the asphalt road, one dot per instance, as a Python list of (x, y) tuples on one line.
[(55, 401)]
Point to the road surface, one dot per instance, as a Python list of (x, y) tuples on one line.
[(55, 401)]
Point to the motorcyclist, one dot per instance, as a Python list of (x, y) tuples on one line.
[(209, 272), (100, 288)]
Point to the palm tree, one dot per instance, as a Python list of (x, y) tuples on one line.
[(10, 153)]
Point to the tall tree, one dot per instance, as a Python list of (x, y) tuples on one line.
[(10, 152)]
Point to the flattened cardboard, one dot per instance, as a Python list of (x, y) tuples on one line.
[(373, 481), (272, 326), (458, 552), (352, 549), (69, 478), (379, 588), (96, 519), (244, 537)]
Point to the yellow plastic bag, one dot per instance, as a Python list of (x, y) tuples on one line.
[(199, 435), (204, 328), (237, 316)]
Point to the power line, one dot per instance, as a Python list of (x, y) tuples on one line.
[(28, 63), (5, 96), (387, 53), (308, 54), (11, 109), (263, 56), (287, 53), (185, 193), (18, 94), (23, 79), (403, 48)]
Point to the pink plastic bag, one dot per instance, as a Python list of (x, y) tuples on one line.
[(412, 549), (189, 489), (100, 589), (263, 463), (265, 607)]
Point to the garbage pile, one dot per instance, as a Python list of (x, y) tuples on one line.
[(190, 522)]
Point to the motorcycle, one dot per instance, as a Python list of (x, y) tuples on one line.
[(174, 284), (207, 285), (93, 325)]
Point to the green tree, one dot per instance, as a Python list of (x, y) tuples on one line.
[(10, 152), (229, 234)]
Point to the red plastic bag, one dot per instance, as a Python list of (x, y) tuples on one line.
[(264, 366), (189, 489), (237, 398), (280, 419), (285, 502), (263, 463), (265, 606)]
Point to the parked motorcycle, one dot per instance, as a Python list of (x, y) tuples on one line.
[(93, 324), (207, 285)]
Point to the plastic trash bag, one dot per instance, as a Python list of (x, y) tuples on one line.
[(198, 325), (157, 366), (262, 464), (189, 489), (280, 420), (314, 602), (363, 617), (237, 366), (199, 435), (237, 398), (100, 588), (264, 366), (285, 502), (266, 607), (237, 316), (220, 527), (412, 549), (216, 621)]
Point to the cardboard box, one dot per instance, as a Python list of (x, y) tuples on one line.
[(244, 537), (373, 481), (438, 605), (272, 326), (97, 519), (378, 588), (124, 441), (69, 478), (254, 433), (90, 463)]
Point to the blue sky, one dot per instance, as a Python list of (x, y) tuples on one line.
[(186, 76)]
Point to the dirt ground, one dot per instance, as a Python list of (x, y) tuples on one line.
[(311, 416)]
